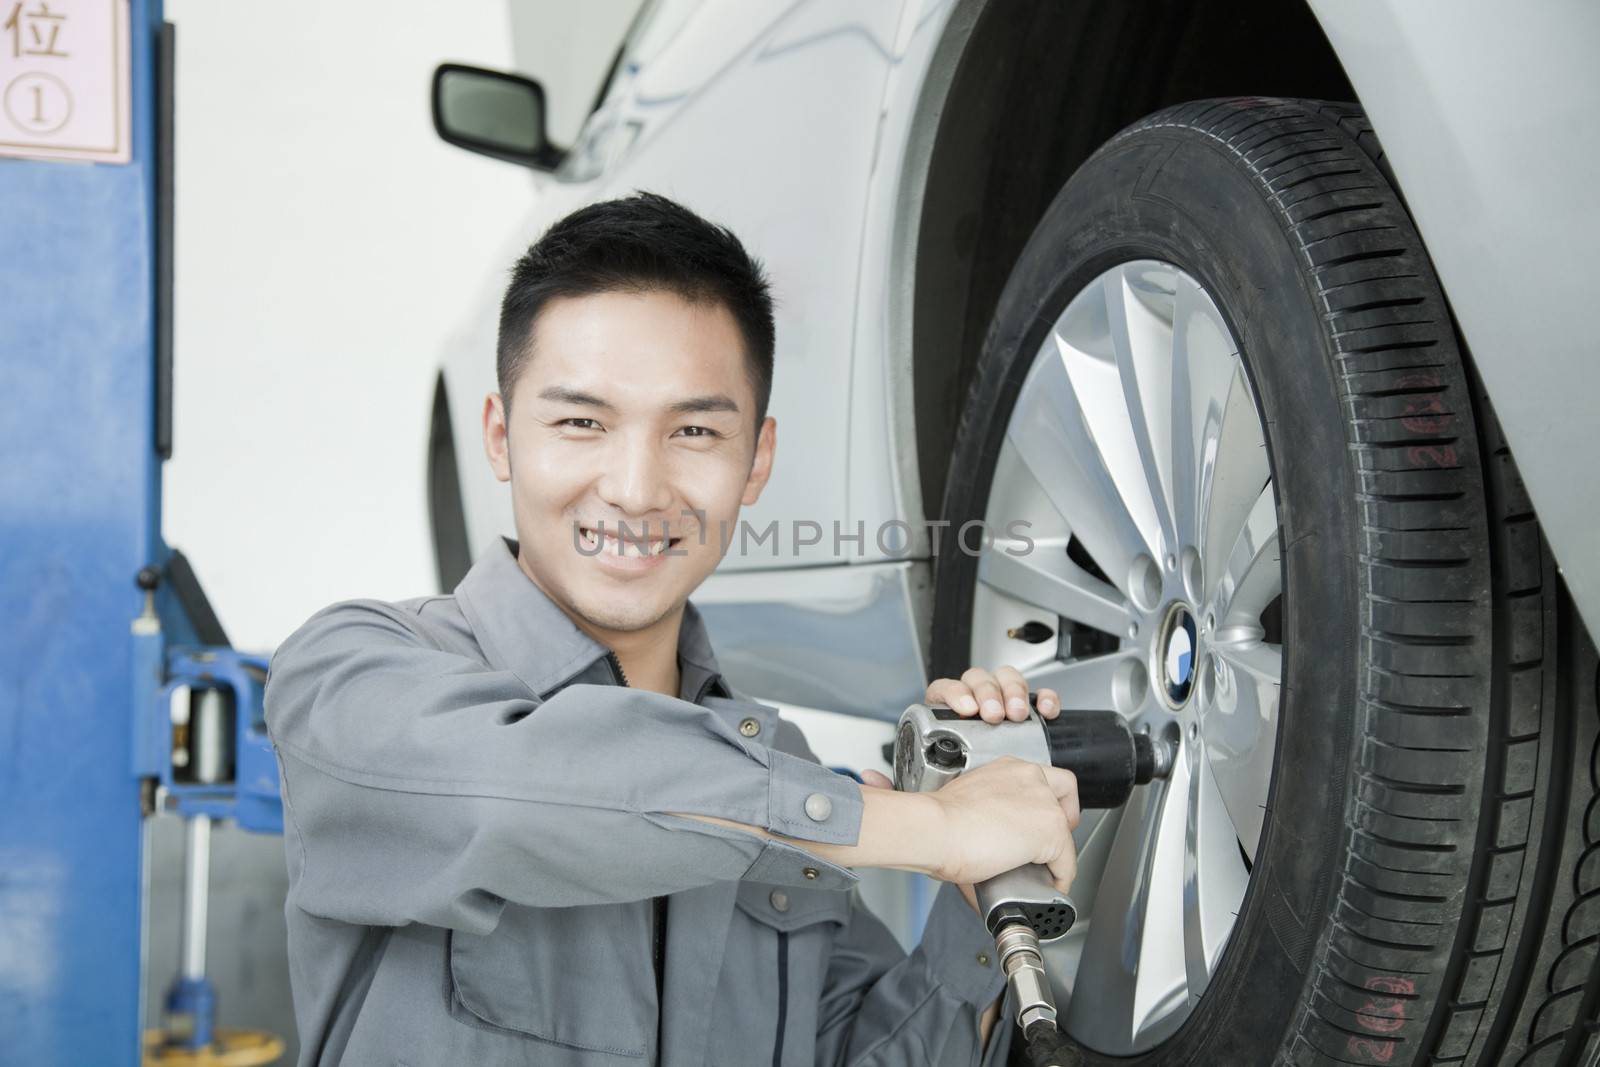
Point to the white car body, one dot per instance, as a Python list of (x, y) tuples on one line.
[(808, 128)]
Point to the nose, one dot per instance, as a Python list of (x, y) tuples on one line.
[(635, 479)]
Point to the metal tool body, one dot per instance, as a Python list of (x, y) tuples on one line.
[(1022, 908)]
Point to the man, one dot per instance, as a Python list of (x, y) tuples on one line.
[(528, 823)]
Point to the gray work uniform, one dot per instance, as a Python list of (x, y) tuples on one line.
[(477, 830)]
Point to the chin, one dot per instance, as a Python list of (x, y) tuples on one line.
[(623, 618)]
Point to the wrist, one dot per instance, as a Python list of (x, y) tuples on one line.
[(906, 829), (928, 833)]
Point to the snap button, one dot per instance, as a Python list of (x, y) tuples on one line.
[(810, 872), (819, 806), (749, 727), (780, 900), (983, 959)]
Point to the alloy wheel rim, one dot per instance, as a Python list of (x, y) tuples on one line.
[(1136, 454)]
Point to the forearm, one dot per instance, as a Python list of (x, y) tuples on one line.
[(901, 831)]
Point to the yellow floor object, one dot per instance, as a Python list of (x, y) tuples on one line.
[(232, 1048)]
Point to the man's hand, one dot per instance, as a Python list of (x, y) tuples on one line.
[(877, 780), (994, 695), (1036, 806), (1007, 814)]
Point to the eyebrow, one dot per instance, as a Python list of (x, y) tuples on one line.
[(690, 406)]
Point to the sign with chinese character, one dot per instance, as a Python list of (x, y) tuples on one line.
[(64, 80)]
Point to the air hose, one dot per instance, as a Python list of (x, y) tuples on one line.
[(1044, 1046)]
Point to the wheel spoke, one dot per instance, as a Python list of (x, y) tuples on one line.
[(1142, 344), (1204, 361), (1241, 728), (1214, 875), (1095, 835), (1251, 577), (1131, 986), (1260, 660), (1115, 680), (1233, 468), (1053, 436), (1047, 579)]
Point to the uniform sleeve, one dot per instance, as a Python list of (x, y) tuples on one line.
[(421, 785), (882, 1007)]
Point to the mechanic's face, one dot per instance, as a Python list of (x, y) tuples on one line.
[(634, 409)]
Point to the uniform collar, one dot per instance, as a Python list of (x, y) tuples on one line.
[(521, 630)]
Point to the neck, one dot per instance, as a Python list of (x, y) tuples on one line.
[(649, 657)]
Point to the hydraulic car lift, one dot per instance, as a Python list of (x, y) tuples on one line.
[(119, 695)]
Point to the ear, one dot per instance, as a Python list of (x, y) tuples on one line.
[(496, 438), (761, 469)]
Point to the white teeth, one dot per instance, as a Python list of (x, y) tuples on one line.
[(619, 546), (625, 547)]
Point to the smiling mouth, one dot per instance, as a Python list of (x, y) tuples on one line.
[(630, 547)]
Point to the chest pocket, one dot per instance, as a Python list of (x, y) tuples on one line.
[(581, 978), (773, 973)]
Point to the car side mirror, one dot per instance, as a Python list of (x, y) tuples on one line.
[(494, 114)]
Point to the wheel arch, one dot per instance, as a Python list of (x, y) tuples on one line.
[(447, 516), (1004, 103)]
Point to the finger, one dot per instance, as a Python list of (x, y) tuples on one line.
[(1064, 867), (1049, 703), (876, 780), (987, 690), (1014, 688), (1073, 808), (1062, 782), (952, 694)]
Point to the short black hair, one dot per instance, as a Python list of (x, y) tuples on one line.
[(639, 243)]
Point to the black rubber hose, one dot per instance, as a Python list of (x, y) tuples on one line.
[(1045, 1047)]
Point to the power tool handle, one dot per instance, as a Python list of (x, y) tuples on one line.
[(1030, 889)]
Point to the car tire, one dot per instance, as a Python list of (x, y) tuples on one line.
[(1425, 884)]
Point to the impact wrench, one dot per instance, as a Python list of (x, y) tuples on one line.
[(1022, 908)]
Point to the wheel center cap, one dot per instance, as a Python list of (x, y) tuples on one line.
[(1175, 655)]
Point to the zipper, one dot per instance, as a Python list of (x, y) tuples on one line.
[(616, 667), (783, 996), (658, 912), (660, 956)]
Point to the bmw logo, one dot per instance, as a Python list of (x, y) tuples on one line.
[(1177, 652)]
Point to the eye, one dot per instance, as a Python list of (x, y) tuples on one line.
[(699, 431), (579, 423)]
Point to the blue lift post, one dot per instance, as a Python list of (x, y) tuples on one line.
[(103, 618), (81, 515)]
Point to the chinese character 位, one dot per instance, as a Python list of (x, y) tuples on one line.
[(43, 27)]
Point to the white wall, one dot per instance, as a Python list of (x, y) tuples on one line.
[(327, 245)]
